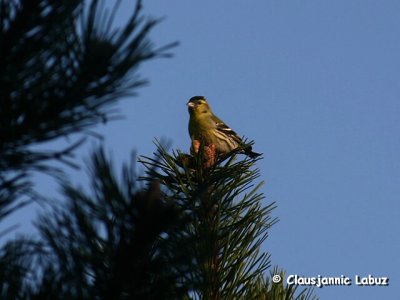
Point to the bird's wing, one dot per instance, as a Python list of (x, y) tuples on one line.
[(225, 129)]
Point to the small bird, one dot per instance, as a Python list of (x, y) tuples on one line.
[(205, 126)]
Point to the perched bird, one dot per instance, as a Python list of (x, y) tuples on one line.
[(205, 126)]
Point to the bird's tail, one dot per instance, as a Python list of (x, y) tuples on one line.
[(250, 153)]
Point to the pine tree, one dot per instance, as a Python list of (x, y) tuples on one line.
[(228, 224), (193, 233), (112, 243), (63, 66)]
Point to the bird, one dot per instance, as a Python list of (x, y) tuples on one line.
[(206, 127)]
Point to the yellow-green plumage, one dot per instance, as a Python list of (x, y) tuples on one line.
[(206, 127)]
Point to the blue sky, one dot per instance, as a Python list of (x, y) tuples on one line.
[(316, 85)]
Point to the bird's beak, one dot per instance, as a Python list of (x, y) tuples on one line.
[(190, 104)]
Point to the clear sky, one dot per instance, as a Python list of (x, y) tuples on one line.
[(316, 85)]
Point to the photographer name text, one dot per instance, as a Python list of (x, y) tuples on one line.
[(321, 281)]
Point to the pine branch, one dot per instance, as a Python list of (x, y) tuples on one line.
[(63, 67), (228, 224), (112, 243)]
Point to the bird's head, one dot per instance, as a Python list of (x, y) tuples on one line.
[(198, 106)]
